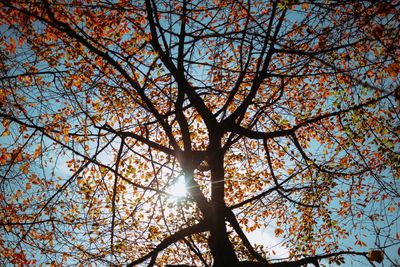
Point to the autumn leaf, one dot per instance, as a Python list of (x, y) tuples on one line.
[(360, 243), (279, 116), (393, 69), (376, 255), (5, 133), (12, 45), (278, 231), (25, 168)]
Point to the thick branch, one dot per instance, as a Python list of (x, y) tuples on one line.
[(194, 98), (314, 259), (232, 127), (313, 53), (180, 235), (235, 224), (140, 138)]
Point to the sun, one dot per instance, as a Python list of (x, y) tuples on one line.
[(178, 188)]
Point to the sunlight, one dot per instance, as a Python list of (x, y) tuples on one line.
[(178, 188)]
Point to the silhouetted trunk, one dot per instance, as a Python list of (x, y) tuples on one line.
[(220, 245)]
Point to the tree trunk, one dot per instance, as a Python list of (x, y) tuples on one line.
[(220, 245)]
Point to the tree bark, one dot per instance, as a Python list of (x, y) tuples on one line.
[(220, 245)]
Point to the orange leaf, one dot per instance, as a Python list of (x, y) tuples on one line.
[(278, 231), (12, 46), (25, 168), (360, 243)]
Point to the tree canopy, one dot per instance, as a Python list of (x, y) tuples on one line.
[(279, 116)]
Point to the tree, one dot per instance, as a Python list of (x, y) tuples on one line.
[(281, 116)]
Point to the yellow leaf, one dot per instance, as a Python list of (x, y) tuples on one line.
[(5, 133)]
